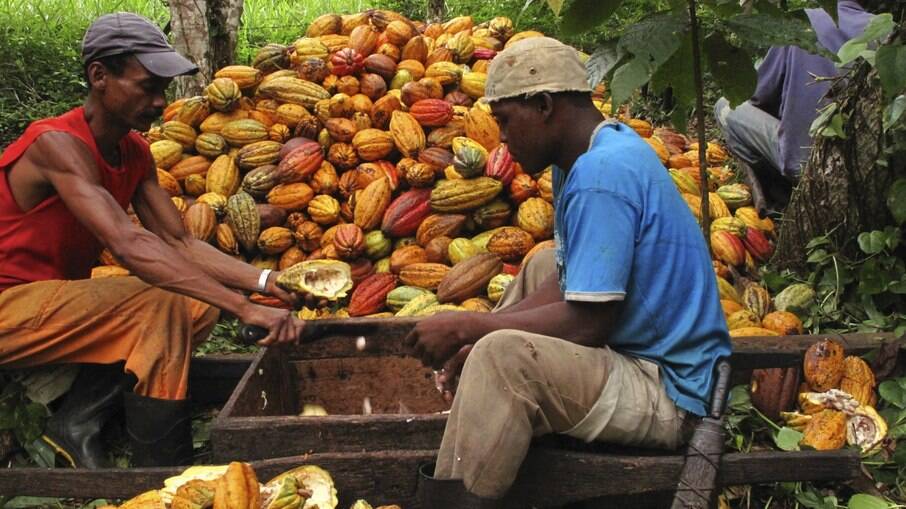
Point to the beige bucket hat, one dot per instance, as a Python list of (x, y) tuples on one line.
[(533, 66)]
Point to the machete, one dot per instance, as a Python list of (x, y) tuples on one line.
[(317, 329)]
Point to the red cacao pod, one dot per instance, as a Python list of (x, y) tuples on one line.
[(371, 294)]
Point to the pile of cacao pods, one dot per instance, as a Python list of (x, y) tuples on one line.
[(833, 406), (236, 486), (363, 150)]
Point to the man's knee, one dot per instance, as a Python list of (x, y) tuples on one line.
[(504, 352), (721, 112)]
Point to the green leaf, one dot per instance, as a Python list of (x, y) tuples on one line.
[(31, 502), (732, 69), (626, 80), (872, 242), (740, 400), (822, 119), (656, 38), (677, 74), (890, 61), (763, 31), (891, 392), (879, 26), (894, 112), (604, 61), (899, 455), (555, 6), (583, 15), (787, 439), (863, 501)]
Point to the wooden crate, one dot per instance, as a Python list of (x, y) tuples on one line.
[(261, 419)]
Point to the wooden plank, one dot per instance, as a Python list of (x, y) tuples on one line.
[(213, 378), (782, 351), (548, 477), (268, 387), (256, 438)]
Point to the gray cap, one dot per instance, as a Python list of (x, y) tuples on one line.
[(126, 33)]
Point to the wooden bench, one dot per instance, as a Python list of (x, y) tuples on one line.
[(376, 457), (549, 477)]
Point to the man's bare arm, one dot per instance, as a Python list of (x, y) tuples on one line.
[(154, 208), (70, 168), (547, 292), (436, 339)]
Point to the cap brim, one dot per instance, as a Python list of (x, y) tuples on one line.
[(166, 64)]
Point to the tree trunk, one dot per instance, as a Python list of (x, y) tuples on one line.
[(223, 22), (437, 10), (842, 191), (189, 30), (205, 32)]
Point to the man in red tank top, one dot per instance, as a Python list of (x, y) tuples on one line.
[(65, 186)]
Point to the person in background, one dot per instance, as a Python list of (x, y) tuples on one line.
[(770, 131), (613, 335), (65, 186)]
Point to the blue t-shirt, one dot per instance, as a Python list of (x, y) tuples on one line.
[(624, 233)]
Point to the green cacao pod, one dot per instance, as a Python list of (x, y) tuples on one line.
[(243, 218), (796, 297), (464, 194)]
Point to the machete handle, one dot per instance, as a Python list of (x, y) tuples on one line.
[(251, 334)]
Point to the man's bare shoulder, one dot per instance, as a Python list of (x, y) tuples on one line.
[(58, 151)]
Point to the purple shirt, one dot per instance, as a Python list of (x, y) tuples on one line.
[(787, 90)]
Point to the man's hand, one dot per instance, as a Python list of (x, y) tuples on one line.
[(282, 325), (275, 291), (436, 339), (448, 377)]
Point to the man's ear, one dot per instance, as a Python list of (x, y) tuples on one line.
[(546, 106), (97, 75)]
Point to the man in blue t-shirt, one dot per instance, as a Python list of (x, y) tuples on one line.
[(770, 131), (614, 335)]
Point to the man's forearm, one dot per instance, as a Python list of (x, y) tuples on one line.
[(220, 266), (160, 264), (546, 293), (587, 324)]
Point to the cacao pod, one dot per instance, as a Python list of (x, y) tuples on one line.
[(243, 218), (370, 295), (823, 365)]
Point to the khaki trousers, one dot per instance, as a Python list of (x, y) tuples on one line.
[(104, 321), (516, 386)]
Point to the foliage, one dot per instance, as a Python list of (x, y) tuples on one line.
[(657, 50), (224, 339)]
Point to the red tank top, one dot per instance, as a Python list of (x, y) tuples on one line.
[(48, 242)]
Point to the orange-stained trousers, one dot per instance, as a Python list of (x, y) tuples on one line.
[(104, 321)]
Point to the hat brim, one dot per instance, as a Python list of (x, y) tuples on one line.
[(166, 64)]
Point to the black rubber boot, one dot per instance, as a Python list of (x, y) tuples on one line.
[(74, 430), (448, 493), (159, 430)]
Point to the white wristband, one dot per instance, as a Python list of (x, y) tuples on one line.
[(262, 280)]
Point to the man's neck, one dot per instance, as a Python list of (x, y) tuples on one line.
[(576, 140), (107, 132)]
